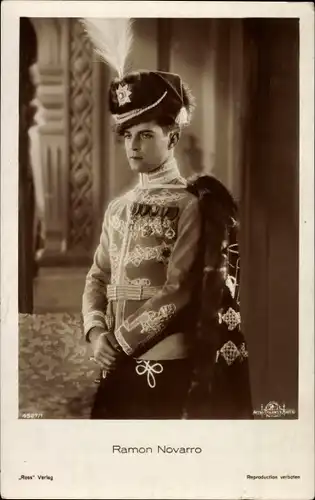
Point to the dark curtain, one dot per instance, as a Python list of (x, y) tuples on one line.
[(270, 213), (28, 56)]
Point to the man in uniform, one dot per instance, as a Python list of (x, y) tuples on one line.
[(143, 293)]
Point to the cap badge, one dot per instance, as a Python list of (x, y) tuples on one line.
[(123, 94)]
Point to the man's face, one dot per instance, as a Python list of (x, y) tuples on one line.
[(147, 146)]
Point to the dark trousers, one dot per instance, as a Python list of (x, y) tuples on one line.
[(144, 390)]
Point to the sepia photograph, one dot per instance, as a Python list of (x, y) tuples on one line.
[(158, 218), (157, 255)]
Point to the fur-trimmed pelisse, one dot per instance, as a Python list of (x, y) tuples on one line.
[(220, 387), (138, 96)]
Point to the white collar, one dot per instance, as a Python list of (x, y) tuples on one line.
[(163, 175)]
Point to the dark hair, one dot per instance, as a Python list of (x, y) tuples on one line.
[(167, 123)]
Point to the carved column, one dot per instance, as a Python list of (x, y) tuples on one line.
[(80, 139), (50, 138), (66, 141)]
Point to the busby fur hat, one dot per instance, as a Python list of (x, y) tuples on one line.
[(138, 96)]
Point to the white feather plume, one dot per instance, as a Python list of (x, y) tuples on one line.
[(182, 119), (112, 40)]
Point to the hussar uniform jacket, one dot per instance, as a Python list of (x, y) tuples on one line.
[(142, 284)]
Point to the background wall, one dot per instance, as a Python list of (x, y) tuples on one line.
[(244, 75)]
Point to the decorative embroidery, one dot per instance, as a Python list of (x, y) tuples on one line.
[(166, 173), (233, 259), (243, 351), (138, 281), (121, 118), (231, 318), (231, 284), (94, 318), (160, 253), (155, 321), (127, 281), (117, 224), (170, 233), (235, 223), (123, 344), (123, 94), (232, 249), (149, 226), (162, 198), (145, 226), (145, 366), (114, 262), (230, 352)]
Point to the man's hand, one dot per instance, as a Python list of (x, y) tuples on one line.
[(103, 352)]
